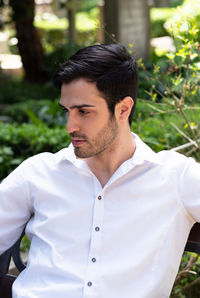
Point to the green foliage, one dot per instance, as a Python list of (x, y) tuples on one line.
[(51, 22), (175, 93), (54, 34), (178, 82), (187, 281), (13, 90), (89, 4), (175, 3), (53, 31), (19, 142), (35, 112), (153, 122), (164, 18), (25, 244), (60, 54), (183, 17), (158, 17), (85, 21), (52, 39)]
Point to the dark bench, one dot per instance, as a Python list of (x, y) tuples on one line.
[(193, 243), (6, 280)]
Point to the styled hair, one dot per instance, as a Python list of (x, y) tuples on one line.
[(110, 66)]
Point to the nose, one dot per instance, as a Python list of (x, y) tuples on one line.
[(72, 125)]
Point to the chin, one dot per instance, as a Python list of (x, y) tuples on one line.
[(80, 154)]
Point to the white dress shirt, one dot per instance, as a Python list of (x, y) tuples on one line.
[(124, 240)]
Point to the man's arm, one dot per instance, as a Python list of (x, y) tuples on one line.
[(15, 207), (189, 187)]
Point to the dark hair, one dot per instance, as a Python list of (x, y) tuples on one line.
[(110, 66)]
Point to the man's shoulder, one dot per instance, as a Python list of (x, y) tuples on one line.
[(172, 156), (46, 158), (175, 161), (165, 158)]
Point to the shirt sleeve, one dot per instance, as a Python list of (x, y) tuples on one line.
[(190, 188), (15, 207)]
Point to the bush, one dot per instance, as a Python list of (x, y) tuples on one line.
[(158, 18), (53, 31), (177, 88), (35, 111), (162, 18), (187, 14), (187, 283), (19, 142), (60, 54), (154, 123), (14, 90), (177, 81)]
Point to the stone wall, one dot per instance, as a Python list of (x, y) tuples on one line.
[(129, 21), (134, 25)]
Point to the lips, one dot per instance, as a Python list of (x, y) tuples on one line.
[(77, 142)]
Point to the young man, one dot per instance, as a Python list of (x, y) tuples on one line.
[(107, 217)]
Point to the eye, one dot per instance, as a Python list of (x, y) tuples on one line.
[(83, 112)]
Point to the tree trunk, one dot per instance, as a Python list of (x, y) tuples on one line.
[(29, 45)]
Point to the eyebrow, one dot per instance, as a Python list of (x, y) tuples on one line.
[(77, 106)]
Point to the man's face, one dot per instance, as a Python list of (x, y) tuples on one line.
[(89, 123)]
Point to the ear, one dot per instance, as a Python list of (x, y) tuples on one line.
[(123, 109)]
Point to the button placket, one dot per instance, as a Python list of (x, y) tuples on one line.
[(94, 254)]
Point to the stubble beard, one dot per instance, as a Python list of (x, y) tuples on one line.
[(100, 142)]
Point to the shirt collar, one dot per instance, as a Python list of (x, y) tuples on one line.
[(142, 153)]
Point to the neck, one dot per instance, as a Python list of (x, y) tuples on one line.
[(106, 163)]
